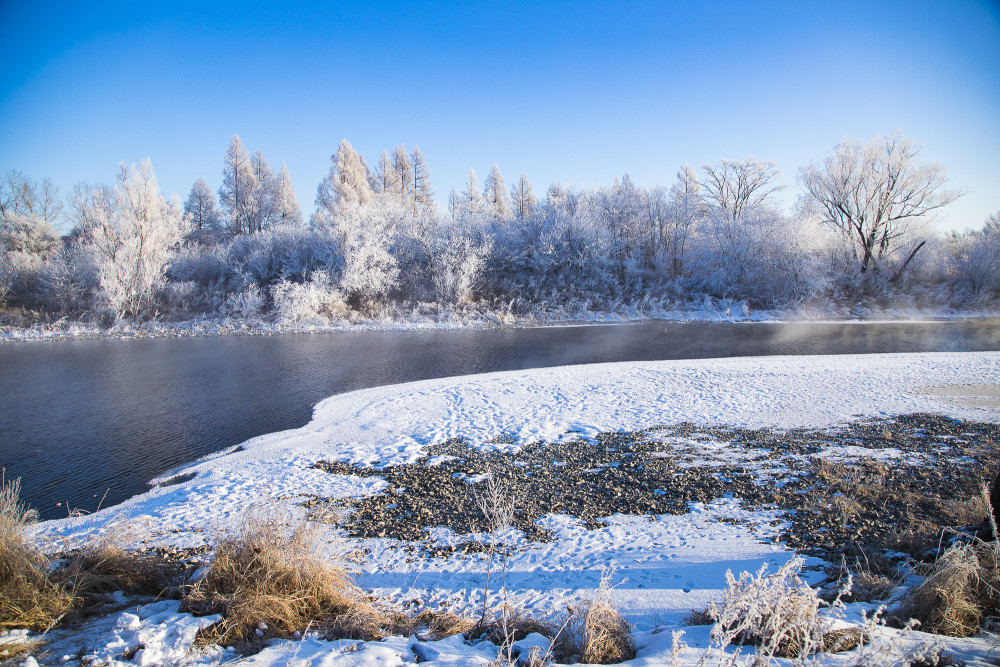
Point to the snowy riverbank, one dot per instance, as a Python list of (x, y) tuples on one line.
[(710, 310), (672, 563)]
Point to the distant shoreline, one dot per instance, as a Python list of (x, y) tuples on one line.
[(207, 327)]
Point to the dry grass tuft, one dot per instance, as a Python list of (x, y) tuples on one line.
[(28, 596), (508, 625), (596, 633), (961, 589), (272, 580), (9, 651), (103, 567), (958, 593), (607, 637), (441, 624)]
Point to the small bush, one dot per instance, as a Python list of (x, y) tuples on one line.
[(271, 580), (778, 613), (28, 596), (317, 301)]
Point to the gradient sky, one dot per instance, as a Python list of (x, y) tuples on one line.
[(566, 92)]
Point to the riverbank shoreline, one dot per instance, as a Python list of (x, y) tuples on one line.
[(722, 311)]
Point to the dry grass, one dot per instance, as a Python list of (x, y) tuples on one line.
[(272, 580), (103, 567), (596, 633), (9, 651), (29, 598), (961, 589), (508, 625), (441, 624)]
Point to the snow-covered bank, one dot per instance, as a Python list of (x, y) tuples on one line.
[(708, 311), (673, 563)]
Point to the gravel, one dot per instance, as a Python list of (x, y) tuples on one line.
[(886, 485)]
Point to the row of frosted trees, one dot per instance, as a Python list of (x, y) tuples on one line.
[(378, 244)]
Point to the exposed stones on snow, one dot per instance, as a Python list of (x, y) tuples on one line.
[(887, 484)]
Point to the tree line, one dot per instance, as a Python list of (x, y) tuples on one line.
[(378, 245)]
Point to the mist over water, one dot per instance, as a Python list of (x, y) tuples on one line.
[(84, 418)]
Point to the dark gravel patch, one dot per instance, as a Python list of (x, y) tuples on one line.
[(834, 506)]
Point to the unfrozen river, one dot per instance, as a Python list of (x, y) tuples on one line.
[(85, 422)]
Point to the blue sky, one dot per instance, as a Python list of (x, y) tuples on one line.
[(566, 92)]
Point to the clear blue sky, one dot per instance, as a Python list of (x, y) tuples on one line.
[(567, 92)]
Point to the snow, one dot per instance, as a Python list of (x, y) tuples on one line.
[(664, 566)]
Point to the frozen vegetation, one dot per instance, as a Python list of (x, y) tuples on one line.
[(805, 430), (378, 251)]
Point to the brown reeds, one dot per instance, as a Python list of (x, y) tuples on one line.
[(29, 598)]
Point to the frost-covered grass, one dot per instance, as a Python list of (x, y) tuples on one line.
[(313, 308), (666, 565)]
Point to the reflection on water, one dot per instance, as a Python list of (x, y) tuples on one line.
[(81, 418)]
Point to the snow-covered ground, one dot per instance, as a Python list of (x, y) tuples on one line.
[(665, 566)]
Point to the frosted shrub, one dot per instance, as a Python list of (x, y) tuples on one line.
[(314, 302), (69, 281), (457, 265), (778, 613), (245, 304)]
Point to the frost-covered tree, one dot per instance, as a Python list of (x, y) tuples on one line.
[(620, 209), (20, 195), (286, 204), (495, 194), (265, 213), (454, 205), (523, 199), (687, 211), (345, 185), (403, 166), (873, 194), (365, 235), (386, 177), (133, 233), (201, 208), (977, 259), (27, 234), (472, 202), (733, 185), (423, 193), (237, 193)]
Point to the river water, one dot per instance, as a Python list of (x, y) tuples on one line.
[(90, 422)]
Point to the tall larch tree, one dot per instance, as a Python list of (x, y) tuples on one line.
[(386, 177), (345, 185), (286, 203), (265, 213), (472, 202), (403, 167), (423, 193), (201, 208), (495, 193), (236, 195), (523, 199)]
